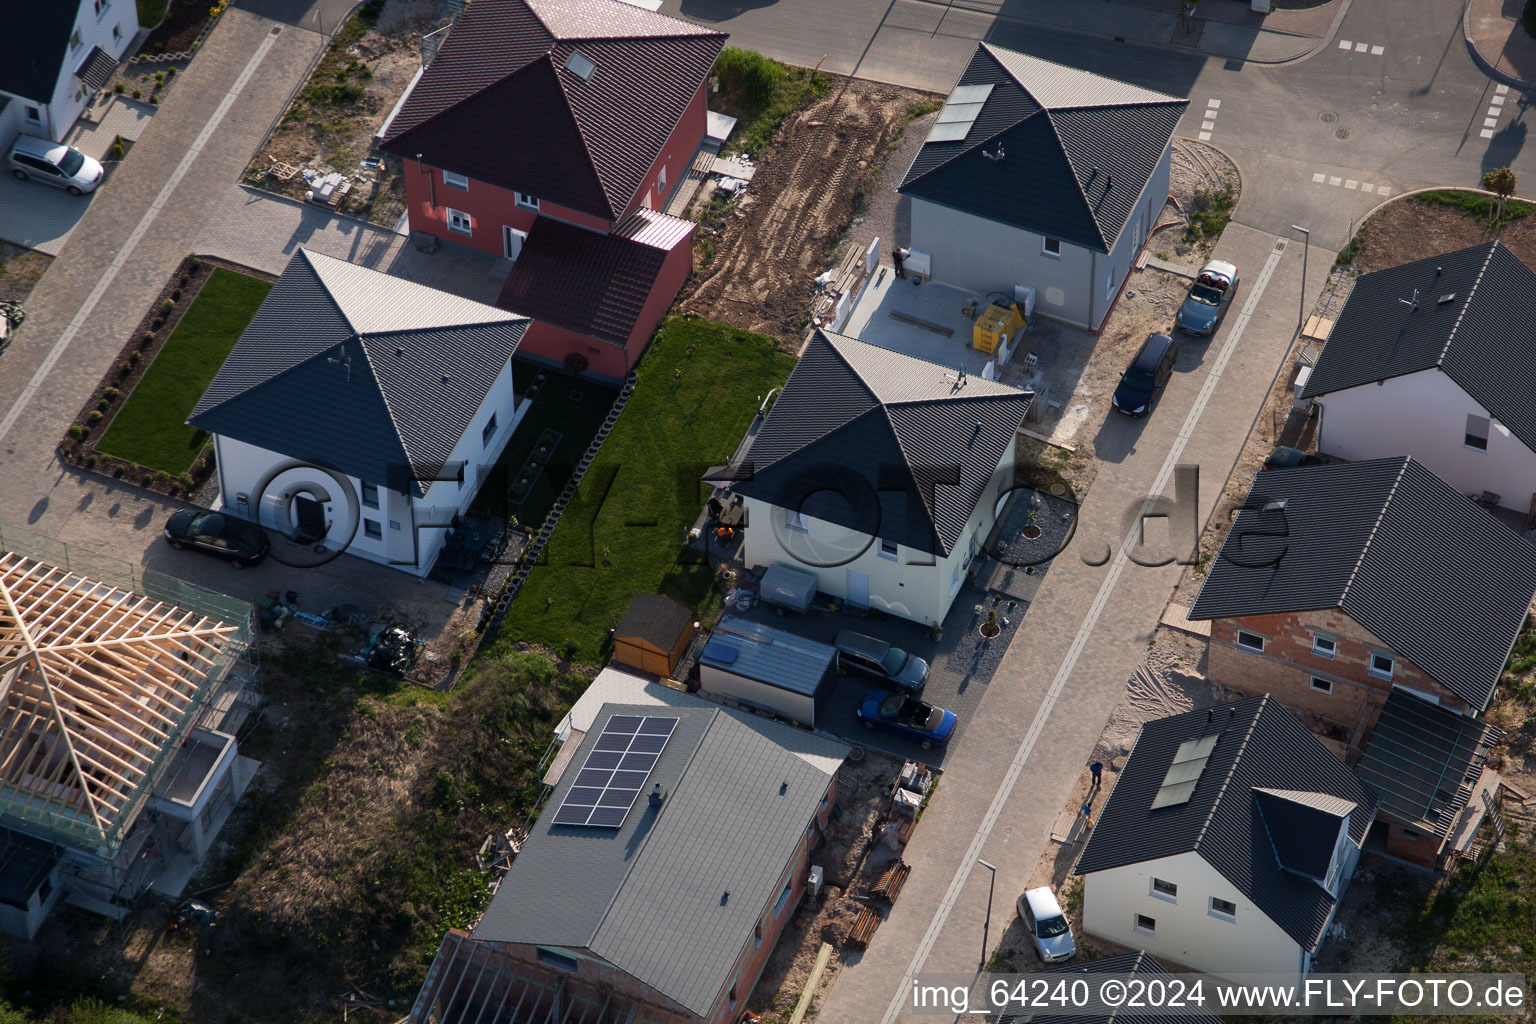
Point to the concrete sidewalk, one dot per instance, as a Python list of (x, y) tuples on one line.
[(115, 263), (1499, 42), (1087, 631)]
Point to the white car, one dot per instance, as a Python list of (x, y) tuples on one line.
[(1048, 927), (55, 164)]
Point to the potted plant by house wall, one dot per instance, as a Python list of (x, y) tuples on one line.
[(990, 628)]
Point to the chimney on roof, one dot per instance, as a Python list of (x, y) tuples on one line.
[(658, 795)]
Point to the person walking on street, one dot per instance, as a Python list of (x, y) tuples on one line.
[(1096, 769)]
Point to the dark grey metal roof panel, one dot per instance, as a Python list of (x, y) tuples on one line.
[(1302, 833), (97, 68), (769, 655), (883, 443), (1260, 746), (1138, 963), (1423, 761), (647, 897), (1078, 149), (1482, 336), (1353, 536)]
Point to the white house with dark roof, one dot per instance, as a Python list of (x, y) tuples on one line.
[(880, 474), (1434, 359), (1227, 842), (58, 55), (362, 410), (1043, 175), (671, 854)]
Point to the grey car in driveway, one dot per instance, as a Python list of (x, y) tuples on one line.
[(54, 163), (1209, 298), (880, 661)]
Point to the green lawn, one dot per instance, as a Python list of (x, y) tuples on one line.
[(552, 409), (635, 504), (151, 12), (151, 428)]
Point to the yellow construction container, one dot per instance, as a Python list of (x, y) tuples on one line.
[(996, 325)]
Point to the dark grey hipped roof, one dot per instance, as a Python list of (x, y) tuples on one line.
[(373, 375), (1483, 336), (1260, 747), (1137, 963), (36, 43), (1396, 549), (1423, 761), (1078, 149), (860, 435), (648, 897)]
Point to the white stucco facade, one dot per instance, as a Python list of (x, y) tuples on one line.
[(1078, 285), (1186, 927), (1425, 415), (109, 24), (909, 583), (406, 532)]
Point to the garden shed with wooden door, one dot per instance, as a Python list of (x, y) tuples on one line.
[(654, 634)]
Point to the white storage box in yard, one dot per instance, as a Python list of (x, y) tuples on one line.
[(788, 588), (768, 669)]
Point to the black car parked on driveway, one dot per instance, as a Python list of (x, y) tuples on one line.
[(215, 533), (1149, 371)]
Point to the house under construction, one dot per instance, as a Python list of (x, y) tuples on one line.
[(112, 776)]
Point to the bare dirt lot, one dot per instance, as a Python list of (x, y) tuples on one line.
[(331, 124), (19, 271), (1412, 229), (756, 266)]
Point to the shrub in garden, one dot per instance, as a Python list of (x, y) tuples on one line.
[(133, 358), (157, 323), (167, 306), (77, 432), (155, 100), (176, 295), (137, 94), (118, 88), (185, 482), (123, 370), (93, 417), (159, 78), (117, 471), (104, 404), (193, 262), (90, 462), (170, 71), (162, 477), (117, 151), (149, 338)]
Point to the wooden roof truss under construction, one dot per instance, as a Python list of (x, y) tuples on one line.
[(98, 687), (475, 983)]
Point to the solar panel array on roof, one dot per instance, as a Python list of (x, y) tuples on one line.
[(959, 113), (1184, 773), (616, 771)]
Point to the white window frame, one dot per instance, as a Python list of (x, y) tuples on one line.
[(453, 179), (372, 529), (34, 114), (783, 900), (893, 553), (488, 432), (1169, 894), (1249, 647), (1471, 436), (1326, 687), (1225, 915), (1046, 250), (117, 33), (795, 520), (454, 216), (557, 960), (1109, 284), (74, 41), (1391, 665), (1150, 928), (1329, 651), (370, 495), (757, 936), (525, 200), (661, 178), (101, 7)]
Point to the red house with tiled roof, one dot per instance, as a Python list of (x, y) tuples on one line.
[(551, 132)]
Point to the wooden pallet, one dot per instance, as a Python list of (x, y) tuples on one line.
[(888, 886), (863, 929)]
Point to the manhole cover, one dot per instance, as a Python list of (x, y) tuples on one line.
[(1342, 133), (1327, 117)]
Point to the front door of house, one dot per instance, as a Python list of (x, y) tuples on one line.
[(309, 518), (858, 589), (512, 241)]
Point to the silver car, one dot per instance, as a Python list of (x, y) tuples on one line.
[(54, 163), (1048, 927)]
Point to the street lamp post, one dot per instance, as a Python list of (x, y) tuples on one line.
[(987, 923), (1306, 245)]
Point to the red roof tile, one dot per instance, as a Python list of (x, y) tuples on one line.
[(584, 281), (499, 104)]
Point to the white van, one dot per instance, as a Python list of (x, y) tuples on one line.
[(54, 163), (1048, 927)]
